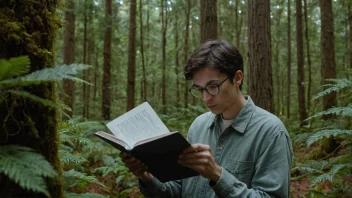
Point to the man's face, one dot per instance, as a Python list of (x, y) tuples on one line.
[(228, 92)]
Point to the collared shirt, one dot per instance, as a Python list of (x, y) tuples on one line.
[(255, 154)]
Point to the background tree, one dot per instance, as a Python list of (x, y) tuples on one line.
[(300, 64), (328, 65), (131, 56), (209, 20), (23, 122), (288, 95), (107, 62), (69, 54), (259, 54)]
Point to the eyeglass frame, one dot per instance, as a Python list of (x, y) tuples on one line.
[(202, 89)]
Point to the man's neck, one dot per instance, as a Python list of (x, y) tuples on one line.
[(235, 109)]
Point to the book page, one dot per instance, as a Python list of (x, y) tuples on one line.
[(138, 124)]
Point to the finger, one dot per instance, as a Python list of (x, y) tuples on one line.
[(196, 148)]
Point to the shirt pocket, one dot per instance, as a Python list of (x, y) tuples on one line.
[(242, 170)]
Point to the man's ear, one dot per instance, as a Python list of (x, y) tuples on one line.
[(238, 78)]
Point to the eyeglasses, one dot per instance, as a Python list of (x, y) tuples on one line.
[(211, 89)]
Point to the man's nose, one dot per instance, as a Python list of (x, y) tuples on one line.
[(205, 95)]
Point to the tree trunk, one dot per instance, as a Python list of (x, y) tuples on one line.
[(144, 84), (107, 62), (350, 30), (185, 47), (177, 63), (163, 11), (131, 56), (25, 122), (276, 60), (85, 72), (300, 65), (209, 20), (259, 54), (238, 27), (328, 65), (69, 55), (308, 55), (90, 53), (288, 96)]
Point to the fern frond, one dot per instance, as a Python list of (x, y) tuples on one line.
[(62, 105), (309, 170), (67, 157), (327, 133), (14, 67), (340, 111), (83, 195), (321, 178), (25, 167), (47, 74), (81, 177), (34, 98), (85, 141), (336, 168), (338, 84)]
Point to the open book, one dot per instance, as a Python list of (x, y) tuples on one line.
[(141, 132)]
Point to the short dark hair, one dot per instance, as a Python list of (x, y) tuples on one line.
[(215, 54)]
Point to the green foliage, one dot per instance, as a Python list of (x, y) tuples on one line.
[(25, 167), (59, 72), (180, 119), (327, 133), (73, 178), (83, 195), (20, 65), (336, 168), (335, 85), (14, 67), (112, 166)]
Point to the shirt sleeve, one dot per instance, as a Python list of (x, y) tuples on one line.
[(271, 176), (158, 189)]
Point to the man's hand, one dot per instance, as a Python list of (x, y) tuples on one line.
[(136, 167), (199, 158)]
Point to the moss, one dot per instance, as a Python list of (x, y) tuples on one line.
[(29, 27)]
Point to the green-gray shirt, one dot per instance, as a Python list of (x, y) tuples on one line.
[(255, 154)]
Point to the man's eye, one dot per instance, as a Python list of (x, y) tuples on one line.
[(212, 86)]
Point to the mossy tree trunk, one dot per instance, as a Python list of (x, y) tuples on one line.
[(29, 27)]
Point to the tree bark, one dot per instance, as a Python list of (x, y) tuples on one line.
[(85, 72), (308, 56), (177, 63), (131, 56), (328, 68), (163, 15), (90, 53), (69, 55), (209, 20), (185, 47), (144, 84), (259, 54), (328, 64), (350, 30), (300, 65), (288, 95), (107, 62), (24, 122)]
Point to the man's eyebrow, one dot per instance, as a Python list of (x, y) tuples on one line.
[(209, 82)]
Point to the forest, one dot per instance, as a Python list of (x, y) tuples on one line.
[(69, 67)]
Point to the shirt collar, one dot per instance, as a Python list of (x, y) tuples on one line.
[(240, 122)]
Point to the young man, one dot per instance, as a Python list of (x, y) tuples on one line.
[(239, 149)]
